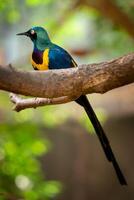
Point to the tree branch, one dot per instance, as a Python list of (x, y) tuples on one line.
[(65, 85), (112, 11), (21, 104)]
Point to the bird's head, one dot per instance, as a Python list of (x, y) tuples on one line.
[(38, 35)]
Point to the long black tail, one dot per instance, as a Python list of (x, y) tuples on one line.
[(83, 101)]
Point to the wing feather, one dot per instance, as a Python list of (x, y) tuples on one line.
[(60, 59)]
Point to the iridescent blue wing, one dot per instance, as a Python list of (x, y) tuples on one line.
[(60, 59)]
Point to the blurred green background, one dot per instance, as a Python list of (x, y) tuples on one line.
[(47, 153)]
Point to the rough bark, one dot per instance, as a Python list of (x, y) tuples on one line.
[(69, 83)]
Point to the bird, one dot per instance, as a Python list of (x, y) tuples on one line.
[(48, 56)]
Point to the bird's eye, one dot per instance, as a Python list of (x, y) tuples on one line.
[(32, 32)]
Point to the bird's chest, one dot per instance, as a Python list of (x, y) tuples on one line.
[(40, 59)]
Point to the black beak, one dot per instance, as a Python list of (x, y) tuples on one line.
[(25, 33)]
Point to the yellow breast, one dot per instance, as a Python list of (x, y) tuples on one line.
[(45, 64)]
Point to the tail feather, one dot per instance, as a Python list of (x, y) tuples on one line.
[(83, 101)]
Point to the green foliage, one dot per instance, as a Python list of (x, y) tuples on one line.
[(127, 6), (54, 115), (112, 41), (13, 16), (37, 2), (20, 173)]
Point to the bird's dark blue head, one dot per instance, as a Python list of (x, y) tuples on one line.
[(39, 37)]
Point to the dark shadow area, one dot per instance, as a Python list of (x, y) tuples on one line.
[(78, 161)]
